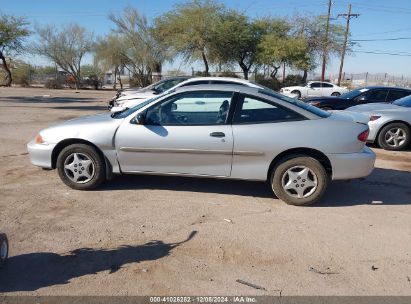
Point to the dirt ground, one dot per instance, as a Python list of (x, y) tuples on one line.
[(147, 235)]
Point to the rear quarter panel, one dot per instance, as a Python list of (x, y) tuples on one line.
[(256, 145)]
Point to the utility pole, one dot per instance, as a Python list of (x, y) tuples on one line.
[(327, 29), (347, 31)]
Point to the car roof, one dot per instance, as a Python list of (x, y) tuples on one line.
[(233, 79), (384, 87), (217, 87)]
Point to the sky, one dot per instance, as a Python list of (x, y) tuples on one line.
[(379, 19)]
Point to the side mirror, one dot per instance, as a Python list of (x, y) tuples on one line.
[(117, 109), (140, 119), (361, 98)]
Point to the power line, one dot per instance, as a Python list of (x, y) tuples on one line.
[(382, 39), (384, 53)]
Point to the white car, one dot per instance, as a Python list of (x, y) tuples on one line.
[(132, 100), (314, 89)]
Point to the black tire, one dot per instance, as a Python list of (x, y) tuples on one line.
[(384, 137), (97, 174), (4, 249), (296, 92), (297, 161), (326, 108), (336, 94)]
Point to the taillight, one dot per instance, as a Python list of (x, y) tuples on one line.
[(363, 136), (374, 117)]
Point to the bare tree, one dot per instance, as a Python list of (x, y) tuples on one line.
[(142, 52), (12, 33), (66, 48)]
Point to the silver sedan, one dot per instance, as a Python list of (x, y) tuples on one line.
[(220, 131), (390, 124)]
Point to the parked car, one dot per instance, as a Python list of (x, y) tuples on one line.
[(222, 131), (313, 88), (359, 96), (390, 124), (149, 91), (130, 101), (4, 249)]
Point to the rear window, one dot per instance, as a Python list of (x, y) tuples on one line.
[(300, 104)]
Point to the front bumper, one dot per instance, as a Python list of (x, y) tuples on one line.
[(40, 154), (352, 165), (374, 127)]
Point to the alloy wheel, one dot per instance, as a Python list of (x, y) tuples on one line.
[(79, 168), (395, 137), (299, 181)]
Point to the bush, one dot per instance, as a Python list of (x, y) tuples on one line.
[(228, 74), (53, 84), (271, 83), (292, 80)]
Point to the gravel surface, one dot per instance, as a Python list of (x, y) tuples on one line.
[(148, 235)]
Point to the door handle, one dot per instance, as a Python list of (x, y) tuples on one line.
[(217, 134)]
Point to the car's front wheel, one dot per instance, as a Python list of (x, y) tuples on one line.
[(335, 94), (395, 136), (4, 249), (81, 167), (299, 180)]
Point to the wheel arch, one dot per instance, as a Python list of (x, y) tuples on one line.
[(70, 141), (316, 154)]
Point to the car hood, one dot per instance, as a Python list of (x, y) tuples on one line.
[(140, 95), (86, 127)]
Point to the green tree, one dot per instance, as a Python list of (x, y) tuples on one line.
[(139, 49), (13, 31), (110, 52), (189, 30), (66, 48), (312, 29)]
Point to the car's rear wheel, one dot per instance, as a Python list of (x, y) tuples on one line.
[(4, 249), (335, 94), (299, 180), (81, 167), (296, 92), (395, 136), (326, 108)]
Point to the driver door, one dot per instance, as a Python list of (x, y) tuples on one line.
[(315, 89), (185, 133)]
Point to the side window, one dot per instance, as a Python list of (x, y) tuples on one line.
[(397, 94), (195, 83), (327, 85), (225, 82), (316, 85), (192, 108), (256, 110), (374, 96)]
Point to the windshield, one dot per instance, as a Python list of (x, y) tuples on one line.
[(296, 102), (403, 102), (127, 111), (354, 93)]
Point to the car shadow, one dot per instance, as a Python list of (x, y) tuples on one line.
[(32, 271), (190, 184), (382, 187)]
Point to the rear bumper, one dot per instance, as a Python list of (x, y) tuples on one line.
[(352, 165), (40, 154)]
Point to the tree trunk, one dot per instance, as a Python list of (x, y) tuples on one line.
[(115, 78), (305, 75), (275, 71), (245, 69), (8, 76), (205, 64)]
